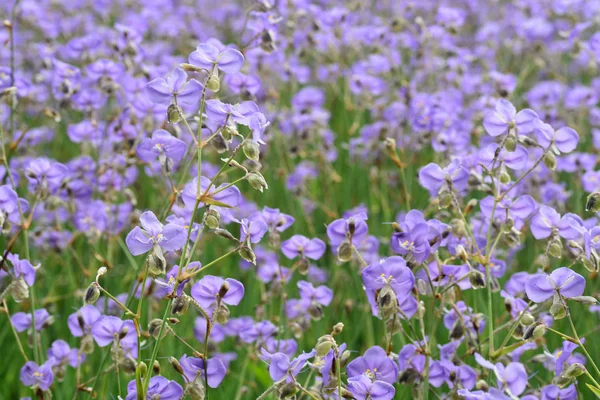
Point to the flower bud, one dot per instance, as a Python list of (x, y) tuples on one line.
[(324, 344), (558, 311), (527, 319), (180, 305), (482, 385), (154, 328), (20, 290), (550, 160), (303, 266), (219, 143), (458, 330), (337, 328), (224, 233), (257, 181), (445, 199), (174, 113), (143, 369), (555, 248), (593, 202), (213, 219), (344, 251), (511, 143), (156, 367), (92, 294), (247, 254), (477, 279), (228, 132), (504, 177), (562, 382), (462, 253), (213, 84), (176, 366), (288, 391), (587, 300), (251, 150), (222, 314), (157, 264), (574, 370), (87, 344)]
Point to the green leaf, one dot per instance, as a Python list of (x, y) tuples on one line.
[(213, 202), (594, 389)]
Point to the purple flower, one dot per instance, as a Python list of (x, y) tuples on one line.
[(553, 392), (565, 282), (322, 294), (207, 56), (563, 140), (22, 268), (280, 365), (80, 323), (225, 194), (44, 174), (9, 204), (253, 228), (170, 237), (376, 364), (33, 375), (302, 246), (515, 160), (186, 93), (159, 387), (413, 243), (22, 321), (211, 289), (518, 209), (432, 177), (276, 220), (512, 377), (162, 143), (353, 229), (107, 329), (391, 272), (363, 388), (547, 222), (260, 332), (63, 354), (193, 370), (505, 116)]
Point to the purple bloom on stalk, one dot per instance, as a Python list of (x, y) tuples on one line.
[(33, 375), (22, 321), (86, 316), (553, 392), (302, 246), (210, 288), (518, 209), (432, 177), (187, 93), (260, 332), (565, 357), (108, 329), (63, 354), (276, 220), (170, 237), (322, 294), (376, 364), (512, 377), (193, 370), (10, 202), (22, 268), (412, 243), (162, 143), (44, 174), (207, 56), (515, 160), (391, 271), (253, 228), (363, 388), (223, 194), (353, 229), (505, 116), (547, 222), (281, 366), (565, 282), (563, 140), (445, 371), (159, 387)]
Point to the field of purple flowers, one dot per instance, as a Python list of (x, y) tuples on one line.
[(295, 199)]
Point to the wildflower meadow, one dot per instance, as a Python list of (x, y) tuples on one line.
[(299, 199)]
